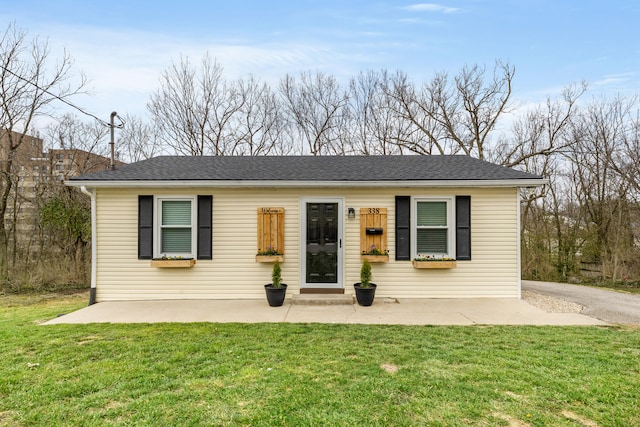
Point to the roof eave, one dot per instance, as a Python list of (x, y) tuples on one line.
[(520, 183)]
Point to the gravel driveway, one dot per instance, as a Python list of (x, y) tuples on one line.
[(609, 306)]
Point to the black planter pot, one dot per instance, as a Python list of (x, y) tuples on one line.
[(275, 296), (365, 296)]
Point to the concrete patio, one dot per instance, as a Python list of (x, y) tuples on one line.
[(474, 311)]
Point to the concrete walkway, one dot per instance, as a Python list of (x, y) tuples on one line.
[(383, 311)]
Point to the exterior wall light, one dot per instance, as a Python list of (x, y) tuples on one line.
[(351, 213)]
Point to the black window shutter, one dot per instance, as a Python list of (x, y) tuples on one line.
[(463, 228), (403, 228), (145, 227), (205, 204)]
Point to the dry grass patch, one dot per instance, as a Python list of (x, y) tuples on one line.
[(387, 367), (513, 422), (583, 421)]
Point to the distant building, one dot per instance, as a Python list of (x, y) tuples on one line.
[(37, 173)]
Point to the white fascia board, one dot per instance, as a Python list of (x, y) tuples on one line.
[(519, 183)]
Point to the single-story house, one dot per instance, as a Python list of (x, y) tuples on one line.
[(175, 227)]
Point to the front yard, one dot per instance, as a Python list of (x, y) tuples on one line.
[(308, 374)]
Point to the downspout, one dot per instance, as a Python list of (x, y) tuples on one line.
[(94, 255), (519, 250)]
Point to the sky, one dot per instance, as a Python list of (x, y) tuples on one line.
[(123, 46)]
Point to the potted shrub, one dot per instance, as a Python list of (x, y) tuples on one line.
[(276, 290), (365, 290)]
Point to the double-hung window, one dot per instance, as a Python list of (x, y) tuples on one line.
[(434, 229), (176, 231)]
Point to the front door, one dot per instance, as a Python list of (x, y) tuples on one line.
[(322, 243)]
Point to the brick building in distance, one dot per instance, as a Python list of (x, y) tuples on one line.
[(37, 174)]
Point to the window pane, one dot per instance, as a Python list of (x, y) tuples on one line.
[(176, 240), (432, 241), (432, 214), (176, 212)]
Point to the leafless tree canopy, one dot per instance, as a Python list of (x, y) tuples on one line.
[(138, 140), (589, 149), (587, 218), (316, 108)]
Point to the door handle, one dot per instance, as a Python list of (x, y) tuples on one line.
[(340, 243)]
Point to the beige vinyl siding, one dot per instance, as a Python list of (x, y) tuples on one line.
[(492, 272), (234, 273)]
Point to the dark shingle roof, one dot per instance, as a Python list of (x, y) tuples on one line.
[(310, 168)]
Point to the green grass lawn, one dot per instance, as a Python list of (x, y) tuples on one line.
[(308, 374)]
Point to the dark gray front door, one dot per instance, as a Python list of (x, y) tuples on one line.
[(323, 244)]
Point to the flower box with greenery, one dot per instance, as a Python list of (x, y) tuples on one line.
[(375, 255), (173, 262), (428, 261), (270, 254)]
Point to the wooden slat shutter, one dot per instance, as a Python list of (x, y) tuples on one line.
[(463, 228), (205, 205), (403, 228), (145, 227), (373, 218), (271, 230)]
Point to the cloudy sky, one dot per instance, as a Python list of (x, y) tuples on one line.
[(122, 46)]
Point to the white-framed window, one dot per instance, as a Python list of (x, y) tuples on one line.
[(433, 230), (176, 227)]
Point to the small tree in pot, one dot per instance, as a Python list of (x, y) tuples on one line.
[(365, 290), (276, 290)]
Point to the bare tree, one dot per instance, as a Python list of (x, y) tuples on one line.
[(193, 108), (541, 132), (259, 125), (315, 104), (538, 143), (452, 116), (374, 126), (419, 112), (603, 192), (84, 143), (63, 211), (138, 140), (29, 84), (588, 213), (627, 160)]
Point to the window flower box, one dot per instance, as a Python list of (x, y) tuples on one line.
[(374, 258), (269, 258), (270, 254), (429, 262), (173, 263), (375, 255)]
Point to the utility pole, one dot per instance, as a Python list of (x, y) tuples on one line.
[(112, 165)]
